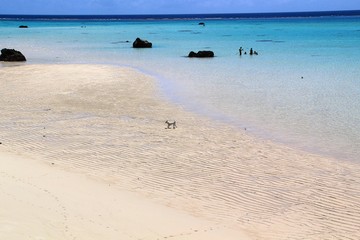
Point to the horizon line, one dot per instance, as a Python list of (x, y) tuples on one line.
[(160, 14)]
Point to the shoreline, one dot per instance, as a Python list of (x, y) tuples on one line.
[(253, 130), (108, 123)]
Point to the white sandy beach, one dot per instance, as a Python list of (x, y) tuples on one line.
[(85, 155)]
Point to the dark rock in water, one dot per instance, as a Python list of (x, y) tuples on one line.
[(201, 54), (139, 43), (11, 55), (23, 26), (202, 24), (192, 54)]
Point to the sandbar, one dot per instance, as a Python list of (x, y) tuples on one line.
[(85, 154)]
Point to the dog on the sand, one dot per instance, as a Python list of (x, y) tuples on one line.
[(170, 124)]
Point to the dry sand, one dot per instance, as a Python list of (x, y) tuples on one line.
[(85, 155)]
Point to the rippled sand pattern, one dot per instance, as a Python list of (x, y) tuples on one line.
[(108, 123)]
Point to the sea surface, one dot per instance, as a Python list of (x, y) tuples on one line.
[(302, 89)]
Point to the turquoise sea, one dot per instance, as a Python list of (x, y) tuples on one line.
[(303, 89)]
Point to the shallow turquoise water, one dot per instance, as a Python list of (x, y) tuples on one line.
[(303, 88)]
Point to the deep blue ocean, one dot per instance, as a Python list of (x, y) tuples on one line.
[(185, 16), (303, 89)]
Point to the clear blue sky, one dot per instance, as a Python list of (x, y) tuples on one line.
[(170, 6)]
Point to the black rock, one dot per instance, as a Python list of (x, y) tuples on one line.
[(202, 24), (139, 43), (192, 54), (23, 26), (201, 54), (11, 55)]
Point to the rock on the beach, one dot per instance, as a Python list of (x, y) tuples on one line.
[(11, 55), (201, 54), (139, 43)]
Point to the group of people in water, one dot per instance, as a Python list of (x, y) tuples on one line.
[(252, 52)]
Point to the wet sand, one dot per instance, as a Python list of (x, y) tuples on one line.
[(85, 154)]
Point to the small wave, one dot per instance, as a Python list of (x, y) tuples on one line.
[(118, 42), (269, 40)]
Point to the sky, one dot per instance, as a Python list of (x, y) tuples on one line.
[(170, 6)]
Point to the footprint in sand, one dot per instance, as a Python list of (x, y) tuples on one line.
[(189, 232), (35, 195)]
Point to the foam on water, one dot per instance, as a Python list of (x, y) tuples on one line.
[(302, 89)]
